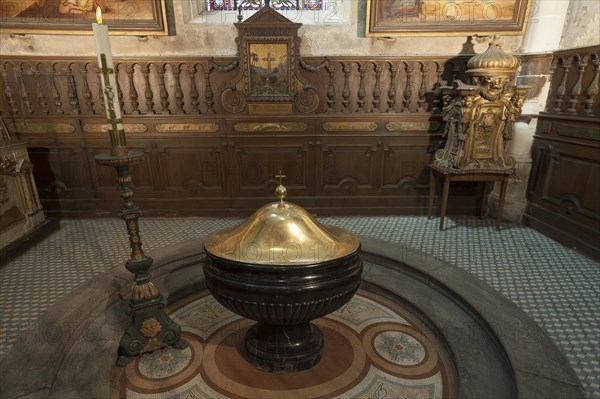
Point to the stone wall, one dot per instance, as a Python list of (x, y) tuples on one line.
[(201, 39), (582, 25)]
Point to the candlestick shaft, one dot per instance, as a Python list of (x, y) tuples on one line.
[(109, 88)]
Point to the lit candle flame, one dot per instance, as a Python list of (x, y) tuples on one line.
[(98, 15)]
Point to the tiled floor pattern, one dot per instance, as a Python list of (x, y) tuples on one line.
[(557, 287)]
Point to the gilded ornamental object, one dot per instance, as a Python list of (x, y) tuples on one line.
[(479, 116)]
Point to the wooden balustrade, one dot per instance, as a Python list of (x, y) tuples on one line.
[(364, 149), (575, 85), (36, 87)]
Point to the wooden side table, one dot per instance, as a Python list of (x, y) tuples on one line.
[(447, 178)]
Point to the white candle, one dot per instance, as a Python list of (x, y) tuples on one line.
[(103, 47)]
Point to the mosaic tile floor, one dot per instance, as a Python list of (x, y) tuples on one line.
[(374, 348), (557, 287)]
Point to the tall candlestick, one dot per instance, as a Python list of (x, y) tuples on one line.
[(109, 86), (150, 327)]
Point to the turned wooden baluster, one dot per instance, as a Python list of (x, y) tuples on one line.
[(55, 93), (562, 87), (178, 92), (392, 89), (437, 91), (87, 93), (331, 87), (119, 91), (194, 94), (24, 93), (407, 88), (576, 89), (148, 91), (133, 94), (72, 90), (8, 91), (592, 89), (346, 91), (455, 71), (361, 88), (40, 92), (162, 89), (422, 88), (208, 92), (377, 87)]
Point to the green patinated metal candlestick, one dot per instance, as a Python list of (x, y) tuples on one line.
[(150, 327)]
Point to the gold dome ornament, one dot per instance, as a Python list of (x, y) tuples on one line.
[(493, 61), (283, 234)]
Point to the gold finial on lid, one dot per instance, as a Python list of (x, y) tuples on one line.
[(280, 191)]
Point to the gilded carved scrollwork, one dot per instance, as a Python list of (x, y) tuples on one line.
[(233, 101)]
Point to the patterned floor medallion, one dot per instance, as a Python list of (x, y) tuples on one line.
[(374, 349)]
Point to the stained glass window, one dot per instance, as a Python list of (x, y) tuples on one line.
[(311, 12), (229, 5)]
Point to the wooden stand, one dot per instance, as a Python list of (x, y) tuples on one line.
[(476, 177)]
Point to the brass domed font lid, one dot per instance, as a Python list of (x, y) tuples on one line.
[(282, 234)]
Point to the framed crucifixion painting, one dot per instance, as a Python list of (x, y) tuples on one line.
[(268, 81), (268, 69)]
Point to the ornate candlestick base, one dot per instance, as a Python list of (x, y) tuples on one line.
[(150, 327)]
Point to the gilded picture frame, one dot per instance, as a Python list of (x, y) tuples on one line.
[(74, 17), (387, 18)]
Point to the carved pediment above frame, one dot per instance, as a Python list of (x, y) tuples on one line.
[(268, 78)]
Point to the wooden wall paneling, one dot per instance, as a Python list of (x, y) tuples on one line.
[(192, 167), (350, 165), (259, 159), (577, 197), (61, 165), (170, 106), (404, 168), (563, 192)]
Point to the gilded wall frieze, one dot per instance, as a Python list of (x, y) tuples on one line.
[(270, 127), (413, 126), (103, 128), (350, 126), (187, 127)]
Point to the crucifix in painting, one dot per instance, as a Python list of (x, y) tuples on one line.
[(269, 74)]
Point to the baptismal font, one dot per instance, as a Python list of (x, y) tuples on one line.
[(283, 269)]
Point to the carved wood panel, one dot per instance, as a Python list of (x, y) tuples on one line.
[(348, 167), (564, 186), (258, 160), (405, 168), (61, 166), (193, 166)]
